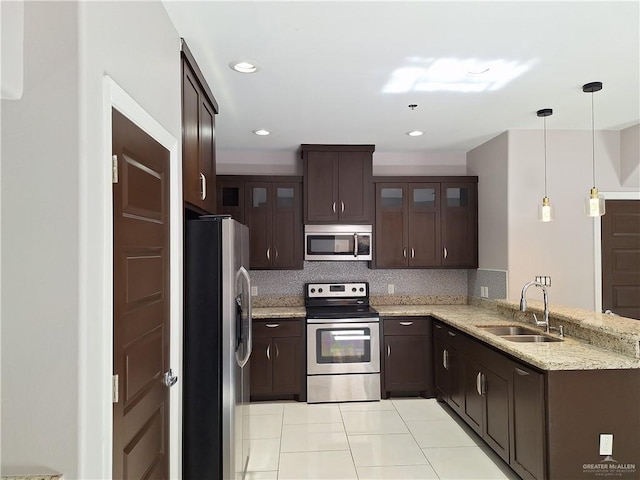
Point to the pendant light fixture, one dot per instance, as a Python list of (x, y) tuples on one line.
[(594, 205), (545, 211)]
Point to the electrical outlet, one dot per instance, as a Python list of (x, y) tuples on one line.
[(254, 291), (391, 289), (544, 280), (606, 444), (484, 292)]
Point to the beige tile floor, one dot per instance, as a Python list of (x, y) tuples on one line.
[(406, 438)]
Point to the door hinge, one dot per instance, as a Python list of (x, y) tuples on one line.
[(114, 389), (114, 169)]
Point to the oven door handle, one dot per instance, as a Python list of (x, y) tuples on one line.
[(341, 321)]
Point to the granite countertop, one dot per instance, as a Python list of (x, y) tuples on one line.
[(593, 341)]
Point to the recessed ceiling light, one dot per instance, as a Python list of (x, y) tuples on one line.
[(415, 133), (244, 67), (261, 132)]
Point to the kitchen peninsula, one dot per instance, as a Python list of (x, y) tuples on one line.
[(541, 406)]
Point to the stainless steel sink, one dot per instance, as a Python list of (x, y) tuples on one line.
[(502, 330), (530, 338)]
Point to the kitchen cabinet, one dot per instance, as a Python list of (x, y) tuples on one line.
[(198, 137), (544, 424), (430, 222), (338, 184), (407, 355), (277, 361), (271, 207)]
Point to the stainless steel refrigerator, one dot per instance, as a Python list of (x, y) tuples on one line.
[(217, 347)]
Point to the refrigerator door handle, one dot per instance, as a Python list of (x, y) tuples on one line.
[(246, 293)]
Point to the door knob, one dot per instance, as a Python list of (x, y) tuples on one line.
[(169, 379)]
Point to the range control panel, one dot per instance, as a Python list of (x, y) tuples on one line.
[(337, 290)]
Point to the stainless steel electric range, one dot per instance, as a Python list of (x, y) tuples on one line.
[(343, 343)]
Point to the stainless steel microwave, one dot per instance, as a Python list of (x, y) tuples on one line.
[(338, 242)]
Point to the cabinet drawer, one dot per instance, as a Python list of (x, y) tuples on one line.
[(277, 327), (444, 332), (407, 326)]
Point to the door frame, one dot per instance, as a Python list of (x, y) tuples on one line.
[(114, 96), (597, 242)]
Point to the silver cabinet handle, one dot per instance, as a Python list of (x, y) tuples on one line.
[(269, 253), (521, 372), (451, 334), (169, 379), (413, 253), (406, 324), (404, 252), (479, 383), (333, 207), (269, 352), (445, 359), (277, 350), (272, 325), (276, 249), (355, 244), (203, 186), (445, 253), (388, 350), (341, 207)]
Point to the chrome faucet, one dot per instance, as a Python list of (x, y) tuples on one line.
[(545, 298)]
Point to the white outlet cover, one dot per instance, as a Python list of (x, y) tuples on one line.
[(606, 444)]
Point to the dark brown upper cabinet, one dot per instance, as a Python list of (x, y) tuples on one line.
[(198, 137), (271, 206), (430, 222), (338, 183)]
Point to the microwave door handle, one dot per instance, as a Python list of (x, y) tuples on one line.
[(355, 245)]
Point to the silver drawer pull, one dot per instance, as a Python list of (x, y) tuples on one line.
[(272, 325), (451, 334), (406, 324), (521, 372), (439, 326)]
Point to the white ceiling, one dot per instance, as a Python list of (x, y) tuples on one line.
[(324, 67)]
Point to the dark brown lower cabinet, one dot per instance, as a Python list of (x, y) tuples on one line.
[(407, 357), (544, 424), (277, 360)]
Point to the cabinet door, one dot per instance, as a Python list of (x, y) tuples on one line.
[(473, 401), (287, 226), (440, 371), (407, 364), (424, 225), (261, 373), (287, 361), (191, 138), (321, 187), (391, 225), (258, 218), (355, 187), (459, 225), (496, 413), (207, 160), (231, 199), (528, 419)]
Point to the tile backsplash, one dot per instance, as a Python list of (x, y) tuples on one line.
[(495, 282), (404, 281)]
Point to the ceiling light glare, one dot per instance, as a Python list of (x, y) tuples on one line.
[(415, 133), (244, 67), (262, 132)]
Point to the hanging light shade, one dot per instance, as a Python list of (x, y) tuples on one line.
[(545, 210), (594, 204)]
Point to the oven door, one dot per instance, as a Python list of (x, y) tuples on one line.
[(334, 348)]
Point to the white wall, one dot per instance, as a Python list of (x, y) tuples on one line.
[(55, 289), (40, 243), (630, 157), (563, 248), (251, 162), (490, 162)]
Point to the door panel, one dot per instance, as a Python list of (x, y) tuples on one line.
[(390, 244), (321, 177), (621, 258), (287, 221), (354, 188), (258, 219), (141, 302)]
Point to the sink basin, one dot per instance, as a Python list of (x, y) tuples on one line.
[(530, 338), (508, 330)]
